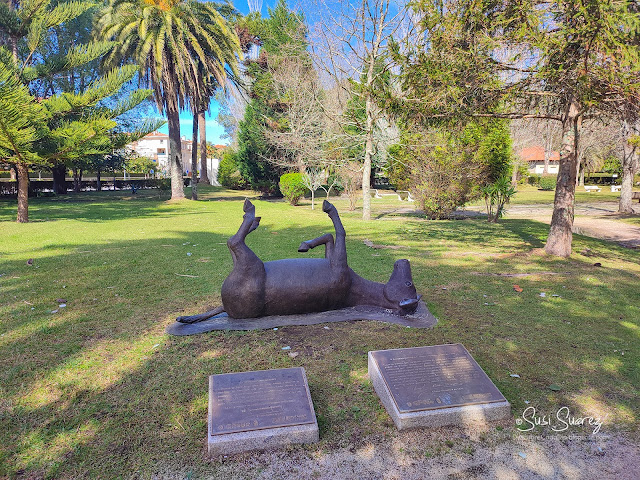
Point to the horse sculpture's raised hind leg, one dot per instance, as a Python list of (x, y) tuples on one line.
[(338, 255), (326, 240)]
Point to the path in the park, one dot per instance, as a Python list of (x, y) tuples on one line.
[(597, 220)]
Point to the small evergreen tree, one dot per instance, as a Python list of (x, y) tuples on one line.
[(66, 125)]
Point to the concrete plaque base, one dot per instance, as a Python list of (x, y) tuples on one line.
[(423, 402), (259, 410), (268, 439)]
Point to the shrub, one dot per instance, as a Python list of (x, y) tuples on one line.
[(548, 182), (228, 173), (534, 179), (496, 195), (292, 187), (443, 169)]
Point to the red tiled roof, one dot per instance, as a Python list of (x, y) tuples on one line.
[(536, 154), (156, 135)]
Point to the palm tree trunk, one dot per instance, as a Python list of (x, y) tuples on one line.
[(175, 145), (194, 159), (204, 174), (175, 153), (23, 192), (560, 234)]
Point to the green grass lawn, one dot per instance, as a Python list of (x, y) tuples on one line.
[(632, 219), (530, 195), (97, 389)]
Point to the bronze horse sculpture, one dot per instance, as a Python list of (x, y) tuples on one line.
[(304, 285)]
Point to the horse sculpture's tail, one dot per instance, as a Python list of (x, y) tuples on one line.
[(201, 316)]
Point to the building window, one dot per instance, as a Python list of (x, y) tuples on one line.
[(161, 151)]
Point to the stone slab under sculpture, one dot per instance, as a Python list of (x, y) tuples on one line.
[(291, 286)]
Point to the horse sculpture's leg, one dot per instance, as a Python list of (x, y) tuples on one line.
[(243, 290), (326, 239), (246, 264), (338, 255)]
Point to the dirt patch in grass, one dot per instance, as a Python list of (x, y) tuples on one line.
[(452, 453)]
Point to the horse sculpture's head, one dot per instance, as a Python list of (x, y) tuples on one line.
[(400, 291)]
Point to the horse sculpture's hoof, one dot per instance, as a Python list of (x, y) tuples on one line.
[(304, 247), (255, 224), (327, 207), (248, 207), (187, 319)]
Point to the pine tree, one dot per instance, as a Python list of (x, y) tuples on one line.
[(562, 61), (40, 131)]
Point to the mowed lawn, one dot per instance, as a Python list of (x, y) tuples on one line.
[(96, 389)]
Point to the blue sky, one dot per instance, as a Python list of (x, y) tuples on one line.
[(214, 129)]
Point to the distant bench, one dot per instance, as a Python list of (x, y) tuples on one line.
[(616, 188), (635, 196), (592, 188), (402, 194)]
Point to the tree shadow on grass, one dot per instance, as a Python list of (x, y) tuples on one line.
[(101, 391), (111, 205)]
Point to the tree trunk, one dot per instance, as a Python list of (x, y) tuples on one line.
[(13, 42), (173, 119), (629, 164), (560, 233), (23, 192), (194, 159), (175, 154), (368, 154), (547, 154), (77, 179), (59, 174), (98, 181), (514, 174), (202, 125)]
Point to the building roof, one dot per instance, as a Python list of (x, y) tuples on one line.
[(155, 135), (536, 154)]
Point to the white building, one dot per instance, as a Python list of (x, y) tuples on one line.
[(156, 147), (534, 156)]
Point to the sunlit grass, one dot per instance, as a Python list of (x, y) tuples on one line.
[(96, 389)]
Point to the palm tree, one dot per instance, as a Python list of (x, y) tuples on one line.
[(172, 41)]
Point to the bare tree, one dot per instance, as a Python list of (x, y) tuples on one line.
[(599, 141), (522, 136), (549, 132), (351, 174), (351, 43), (300, 135), (313, 178)]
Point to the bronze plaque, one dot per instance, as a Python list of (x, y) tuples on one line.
[(439, 376), (244, 401)]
